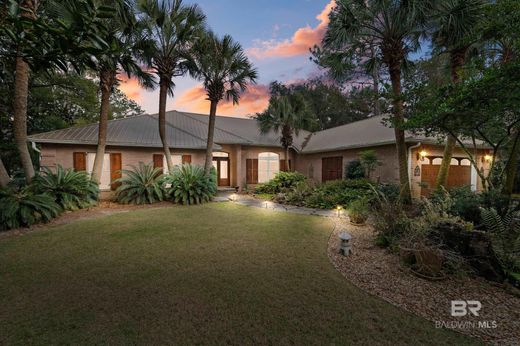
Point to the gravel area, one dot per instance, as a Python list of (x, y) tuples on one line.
[(378, 272)]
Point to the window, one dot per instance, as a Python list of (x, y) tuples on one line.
[(220, 154), (268, 166)]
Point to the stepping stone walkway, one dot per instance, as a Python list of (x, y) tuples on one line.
[(249, 201)]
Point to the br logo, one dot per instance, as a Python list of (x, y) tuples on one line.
[(460, 308)]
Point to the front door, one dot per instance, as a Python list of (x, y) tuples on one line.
[(221, 164)]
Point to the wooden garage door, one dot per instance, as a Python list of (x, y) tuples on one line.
[(458, 176), (331, 168)]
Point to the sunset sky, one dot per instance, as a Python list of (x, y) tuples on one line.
[(276, 36)]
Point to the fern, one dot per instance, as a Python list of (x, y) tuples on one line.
[(142, 185), (71, 190), (189, 185), (21, 207), (505, 236)]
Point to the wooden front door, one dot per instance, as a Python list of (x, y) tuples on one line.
[(115, 169), (459, 176), (331, 168), (221, 164)]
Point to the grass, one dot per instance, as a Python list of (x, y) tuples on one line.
[(265, 196), (211, 274)]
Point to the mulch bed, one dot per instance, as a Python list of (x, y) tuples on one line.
[(379, 272), (103, 208)]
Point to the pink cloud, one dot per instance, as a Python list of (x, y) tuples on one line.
[(131, 88), (254, 100), (303, 39)]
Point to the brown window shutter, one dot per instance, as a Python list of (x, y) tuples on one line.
[(186, 159), (115, 169), (80, 161), (252, 171), (158, 161), (331, 168)]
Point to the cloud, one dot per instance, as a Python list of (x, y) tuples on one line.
[(254, 100), (131, 88), (303, 39)]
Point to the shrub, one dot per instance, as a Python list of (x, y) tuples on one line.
[(23, 207), (354, 170), (390, 221), (71, 190), (466, 204), (359, 210), (281, 182), (141, 185), (189, 185), (339, 192)]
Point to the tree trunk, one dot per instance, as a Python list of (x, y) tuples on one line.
[(287, 162), (21, 92), (457, 60), (376, 79), (211, 132), (107, 81), (163, 94), (4, 176), (402, 155), (512, 166)]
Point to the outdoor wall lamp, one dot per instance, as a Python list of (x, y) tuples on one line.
[(487, 158), (421, 155)]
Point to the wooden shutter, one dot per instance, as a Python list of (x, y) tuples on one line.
[(80, 161), (283, 165), (115, 169), (331, 168), (158, 161), (252, 171), (186, 159)]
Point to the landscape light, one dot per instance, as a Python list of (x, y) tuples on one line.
[(339, 209)]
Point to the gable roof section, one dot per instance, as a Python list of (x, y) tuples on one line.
[(140, 131)]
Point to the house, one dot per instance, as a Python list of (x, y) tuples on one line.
[(243, 156)]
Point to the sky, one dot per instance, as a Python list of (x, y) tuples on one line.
[(275, 34)]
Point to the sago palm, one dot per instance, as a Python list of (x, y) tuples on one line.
[(172, 28), (125, 45), (287, 115), (393, 29), (455, 30), (225, 71)]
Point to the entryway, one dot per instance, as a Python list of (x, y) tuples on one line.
[(459, 175), (221, 164)]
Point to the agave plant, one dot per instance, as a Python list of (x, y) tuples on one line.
[(189, 185), (505, 236), (71, 190), (22, 207), (141, 185)]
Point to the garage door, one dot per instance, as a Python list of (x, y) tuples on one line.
[(458, 176)]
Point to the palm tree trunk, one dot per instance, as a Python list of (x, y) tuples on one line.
[(512, 166), (287, 163), (107, 81), (163, 94), (21, 92), (211, 132), (402, 155), (457, 63), (4, 176)]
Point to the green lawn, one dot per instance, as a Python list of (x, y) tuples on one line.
[(213, 274)]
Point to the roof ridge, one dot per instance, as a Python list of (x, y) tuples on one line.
[(226, 131), (354, 122)]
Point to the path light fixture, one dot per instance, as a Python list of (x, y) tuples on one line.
[(338, 208)]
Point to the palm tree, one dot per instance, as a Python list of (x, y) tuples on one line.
[(455, 31), (392, 29), (172, 28), (286, 115), (122, 36), (224, 69)]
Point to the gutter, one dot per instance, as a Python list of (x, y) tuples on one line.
[(410, 162), (35, 148)]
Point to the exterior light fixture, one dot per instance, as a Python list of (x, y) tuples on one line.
[(423, 154), (338, 208), (487, 157)]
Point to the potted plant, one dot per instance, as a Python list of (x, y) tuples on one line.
[(358, 212)]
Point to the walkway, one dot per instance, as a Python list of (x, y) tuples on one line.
[(259, 203)]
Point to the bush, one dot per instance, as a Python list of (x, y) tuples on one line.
[(21, 207), (466, 204), (282, 181), (71, 190), (354, 170), (189, 185), (340, 192), (141, 185), (359, 211)]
